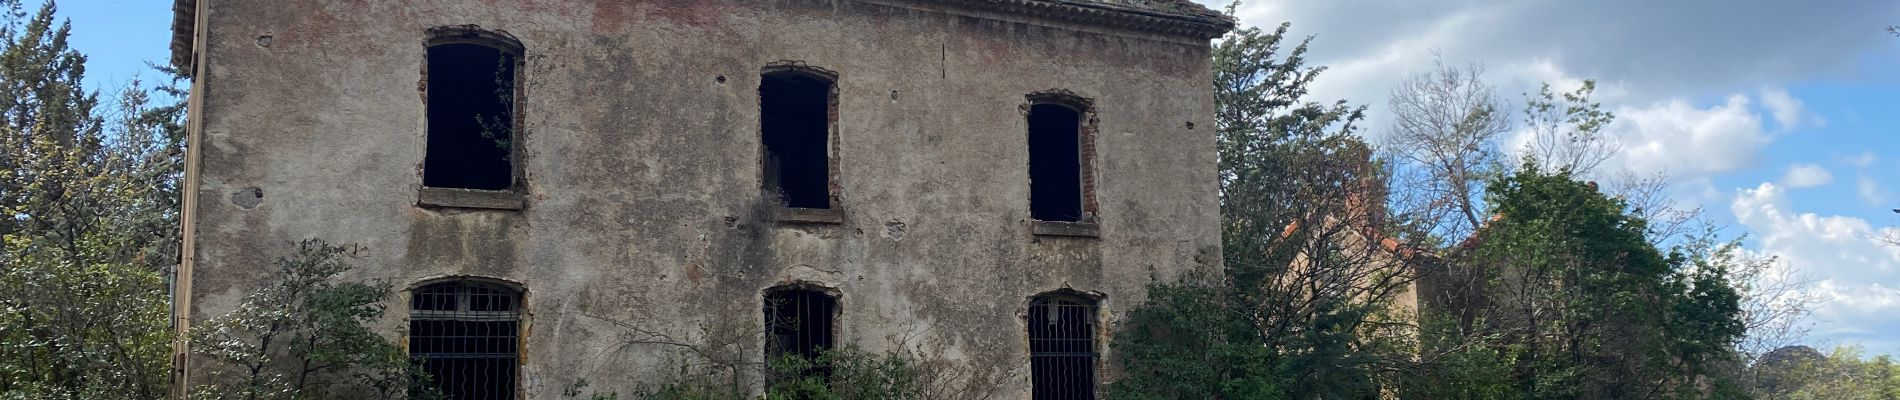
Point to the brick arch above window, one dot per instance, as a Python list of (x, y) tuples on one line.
[(474, 34), (1061, 133)]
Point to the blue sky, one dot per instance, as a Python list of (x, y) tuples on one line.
[(119, 37), (1781, 118)]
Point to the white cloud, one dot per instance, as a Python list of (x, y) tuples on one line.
[(1786, 108), (1693, 95), (1863, 160), (1666, 51), (1842, 251), (1806, 176), (1870, 191), (1686, 141), (1673, 137), (1663, 47)]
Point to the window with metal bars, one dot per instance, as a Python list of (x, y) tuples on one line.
[(1062, 348), (799, 321), (466, 335)]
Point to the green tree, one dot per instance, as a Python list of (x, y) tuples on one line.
[(88, 222), (305, 337), (1301, 306), (1588, 304), (1844, 373), (1187, 342), (1566, 130)]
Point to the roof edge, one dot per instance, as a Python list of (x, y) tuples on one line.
[(1185, 19), (1190, 20), (184, 32)]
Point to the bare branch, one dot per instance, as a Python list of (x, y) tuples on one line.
[(1444, 137)]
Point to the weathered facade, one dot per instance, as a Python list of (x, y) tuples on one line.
[(637, 191)]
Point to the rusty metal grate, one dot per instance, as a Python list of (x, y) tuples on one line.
[(1062, 348), (800, 322), (466, 335)]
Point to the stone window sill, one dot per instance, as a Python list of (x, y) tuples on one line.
[(470, 198), (1061, 228), (811, 215)]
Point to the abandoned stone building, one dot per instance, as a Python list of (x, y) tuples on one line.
[(992, 182)]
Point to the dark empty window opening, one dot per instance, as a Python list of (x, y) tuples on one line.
[(471, 108), (466, 336), (1055, 163), (799, 321), (1062, 348), (794, 124)]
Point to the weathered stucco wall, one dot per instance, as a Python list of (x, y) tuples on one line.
[(642, 177)]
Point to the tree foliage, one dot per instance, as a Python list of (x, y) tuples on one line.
[(1570, 295), (305, 337), (1301, 307), (1845, 373), (1566, 130), (1587, 304), (88, 221)]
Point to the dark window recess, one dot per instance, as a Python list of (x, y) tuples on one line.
[(471, 102), (799, 322), (794, 122), (1055, 163), (1062, 348), (466, 336)]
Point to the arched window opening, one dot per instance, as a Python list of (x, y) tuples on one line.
[(799, 321), (466, 335), (1055, 163), (1062, 347), (794, 125), (470, 94)]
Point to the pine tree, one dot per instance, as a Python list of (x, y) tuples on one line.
[(88, 217)]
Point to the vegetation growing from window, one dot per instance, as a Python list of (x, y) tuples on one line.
[(471, 116)]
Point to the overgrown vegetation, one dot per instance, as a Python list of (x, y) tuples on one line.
[(306, 337), (1802, 373), (1302, 307), (1573, 289), (1545, 284), (1529, 281), (88, 221), (721, 360)]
